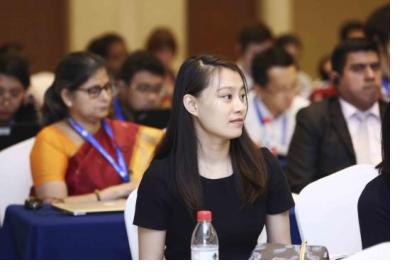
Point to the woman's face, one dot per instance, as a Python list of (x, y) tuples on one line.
[(12, 94), (221, 107), (91, 101)]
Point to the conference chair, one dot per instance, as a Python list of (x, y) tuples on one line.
[(326, 211), (15, 175), (132, 230)]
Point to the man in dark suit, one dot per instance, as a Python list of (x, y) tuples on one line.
[(344, 130)]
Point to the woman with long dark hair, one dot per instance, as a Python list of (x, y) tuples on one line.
[(81, 155), (207, 161)]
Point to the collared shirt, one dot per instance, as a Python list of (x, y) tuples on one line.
[(373, 124), (270, 132)]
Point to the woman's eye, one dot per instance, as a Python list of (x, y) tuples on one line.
[(227, 97)]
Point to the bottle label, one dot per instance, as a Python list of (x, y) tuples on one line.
[(204, 253)]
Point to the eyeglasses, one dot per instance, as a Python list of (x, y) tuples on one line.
[(147, 88), (95, 91)]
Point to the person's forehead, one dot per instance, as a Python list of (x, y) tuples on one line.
[(256, 46), (146, 76), (279, 72), (225, 77), (362, 57), (6, 80), (100, 76)]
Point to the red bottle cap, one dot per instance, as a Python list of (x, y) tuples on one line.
[(204, 215)]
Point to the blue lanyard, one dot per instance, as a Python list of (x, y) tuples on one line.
[(117, 110), (263, 120), (121, 166)]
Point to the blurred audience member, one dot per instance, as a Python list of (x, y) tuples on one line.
[(340, 131), (374, 202), (293, 45), (351, 29), (252, 40), (162, 44), (324, 87), (12, 48), (40, 82), (270, 120), (18, 118), (113, 49), (377, 29), (82, 155), (143, 76)]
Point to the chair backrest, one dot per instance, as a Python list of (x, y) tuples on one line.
[(326, 211), (15, 175), (377, 252), (132, 230)]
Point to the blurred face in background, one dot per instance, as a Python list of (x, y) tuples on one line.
[(281, 88), (252, 50), (92, 100), (166, 56), (117, 54), (360, 81), (12, 93), (144, 91)]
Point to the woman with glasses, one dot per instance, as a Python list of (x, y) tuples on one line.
[(82, 155)]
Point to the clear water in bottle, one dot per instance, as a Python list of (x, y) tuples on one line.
[(204, 241)]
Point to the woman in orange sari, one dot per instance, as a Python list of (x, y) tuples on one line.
[(82, 155)]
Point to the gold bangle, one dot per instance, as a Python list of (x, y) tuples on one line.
[(97, 194)]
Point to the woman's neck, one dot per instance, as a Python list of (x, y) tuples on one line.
[(91, 126), (213, 156)]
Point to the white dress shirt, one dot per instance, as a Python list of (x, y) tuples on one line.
[(272, 133), (351, 115)]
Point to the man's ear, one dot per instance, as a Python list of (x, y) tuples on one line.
[(122, 89), (67, 97), (190, 104), (335, 77)]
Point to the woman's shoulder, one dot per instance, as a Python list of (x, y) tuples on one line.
[(160, 168), (268, 156), (52, 132), (377, 189)]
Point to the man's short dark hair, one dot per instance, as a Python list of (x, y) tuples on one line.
[(341, 51), (141, 61), (101, 45), (257, 33), (15, 66), (377, 27), (286, 39), (348, 27), (272, 57)]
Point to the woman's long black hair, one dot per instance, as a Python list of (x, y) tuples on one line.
[(180, 140), (73, 70)]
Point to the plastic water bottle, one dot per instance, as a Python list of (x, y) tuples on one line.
[(204, 241)]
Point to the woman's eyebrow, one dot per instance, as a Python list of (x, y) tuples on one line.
[(229, 88)]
